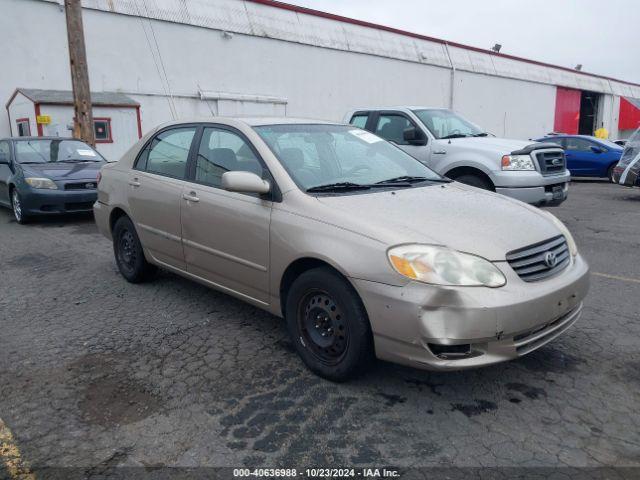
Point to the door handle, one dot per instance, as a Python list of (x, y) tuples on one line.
[(190, 197), (134, 182), (439, 152)]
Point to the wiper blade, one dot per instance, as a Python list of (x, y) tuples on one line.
[(481, 134), (329, 187), (75, 160), (403, 181), (454, 135)]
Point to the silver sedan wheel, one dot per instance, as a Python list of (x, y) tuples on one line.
[(17, 206)]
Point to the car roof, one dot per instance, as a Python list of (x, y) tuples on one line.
[(32, 137), (397, 107), (251, 121)]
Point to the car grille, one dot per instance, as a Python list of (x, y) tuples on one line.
[(551, 162), (88, 185), (535, 262)]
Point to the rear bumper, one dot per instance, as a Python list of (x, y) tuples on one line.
[(101, 214), (52, 202), (411, 324)]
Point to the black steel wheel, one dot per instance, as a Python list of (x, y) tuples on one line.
[(129, 253), (322, 325), (328, 325)]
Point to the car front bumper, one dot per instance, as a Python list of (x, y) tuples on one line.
[(52, 202), (418, 324), (532, 187)]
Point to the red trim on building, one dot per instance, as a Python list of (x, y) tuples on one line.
[(104, 119), (38, 125), (567, 111), (24, 120), (139, 122), (362, 23), (629, 118)]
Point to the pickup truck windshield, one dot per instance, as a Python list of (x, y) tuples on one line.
[(53, 150), (446, 124), (342, 158)]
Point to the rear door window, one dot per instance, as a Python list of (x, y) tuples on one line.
[(359, 120), (167, 154)]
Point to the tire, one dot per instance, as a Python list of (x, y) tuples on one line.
[(610, 173), (474, 181), (16, 207), (128, 252), (328, 325)]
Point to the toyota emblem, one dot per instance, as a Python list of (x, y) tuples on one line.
[(550, 259)]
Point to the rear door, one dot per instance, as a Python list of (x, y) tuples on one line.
[(155, 193), (5, 172), (226, 234)]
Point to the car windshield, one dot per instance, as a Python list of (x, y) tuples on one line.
[(52, 150), (339, 157), (447, 124)]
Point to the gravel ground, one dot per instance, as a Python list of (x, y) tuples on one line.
[(97, 373)]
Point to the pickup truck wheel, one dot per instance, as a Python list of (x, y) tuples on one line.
[(129, 254), (474, 181), (328, 325)]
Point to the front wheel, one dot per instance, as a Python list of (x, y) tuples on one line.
[(610, 173), (328, 325), (129, 253), (16, 206), (474, 181)]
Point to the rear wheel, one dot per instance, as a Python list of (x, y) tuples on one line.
[(129, 254), (16, 206), (329, 325), (474, 181)]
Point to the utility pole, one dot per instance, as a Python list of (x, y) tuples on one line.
[(83, 121)]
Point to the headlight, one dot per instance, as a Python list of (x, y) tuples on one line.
[(517, 162), (443, 266), (45, 183), (573, 248)]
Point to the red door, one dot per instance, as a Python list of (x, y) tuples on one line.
[(567, 111)]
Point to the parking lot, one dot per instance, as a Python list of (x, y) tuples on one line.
[(97, 373)]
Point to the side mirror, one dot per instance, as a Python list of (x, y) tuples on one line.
[(595, 149), (413, 136), (245, 182)]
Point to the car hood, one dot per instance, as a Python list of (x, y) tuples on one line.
[(64, 171), (500, 146), (455, 215)]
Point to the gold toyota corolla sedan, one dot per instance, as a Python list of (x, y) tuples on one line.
[(362, 249)]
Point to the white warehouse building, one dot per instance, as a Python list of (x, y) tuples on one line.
[(197, 58)]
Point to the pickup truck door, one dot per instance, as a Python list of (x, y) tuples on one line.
[(391, 125)]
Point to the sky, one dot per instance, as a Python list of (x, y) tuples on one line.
[(602, 35)]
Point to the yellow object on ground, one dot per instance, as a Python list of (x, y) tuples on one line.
[(11, 458)]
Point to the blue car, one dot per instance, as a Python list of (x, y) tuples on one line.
[(47, 176), (587, 156)]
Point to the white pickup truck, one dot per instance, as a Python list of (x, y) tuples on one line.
[(535, 173)]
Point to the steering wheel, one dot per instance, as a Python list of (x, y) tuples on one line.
[(359, 168)]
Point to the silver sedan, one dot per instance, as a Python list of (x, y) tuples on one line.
[(362, 249)]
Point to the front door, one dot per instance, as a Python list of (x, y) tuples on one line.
[(391, 127), (155, 194), (226, 234), (581, 160), (5, 172)]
